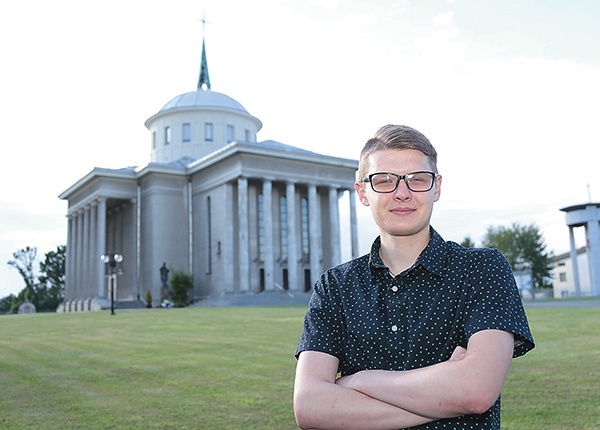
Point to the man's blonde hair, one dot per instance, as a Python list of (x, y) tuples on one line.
[(396, 137)]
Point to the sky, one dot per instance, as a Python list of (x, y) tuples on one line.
[(507, 91)]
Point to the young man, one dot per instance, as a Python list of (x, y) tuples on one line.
[(422, 331)]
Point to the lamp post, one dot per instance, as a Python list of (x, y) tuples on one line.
[(112, 260)]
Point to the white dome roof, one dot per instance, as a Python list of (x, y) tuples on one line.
[(203, 99)]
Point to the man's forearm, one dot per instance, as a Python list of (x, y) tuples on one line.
[(323, 405), (464, 385)]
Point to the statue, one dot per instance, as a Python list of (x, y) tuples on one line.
[(164, 277)]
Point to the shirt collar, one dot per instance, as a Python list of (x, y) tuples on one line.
[(433, 258)]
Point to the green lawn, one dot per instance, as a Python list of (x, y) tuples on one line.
[(233, 368)]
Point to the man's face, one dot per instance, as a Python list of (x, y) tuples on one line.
[(402, 212)]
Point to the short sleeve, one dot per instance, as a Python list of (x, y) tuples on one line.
[(494, 301), (323, 326)]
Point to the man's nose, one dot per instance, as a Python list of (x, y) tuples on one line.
[(402, 192)]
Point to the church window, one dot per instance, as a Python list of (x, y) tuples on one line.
[(304, 226), (167, 135), (261, 227), (283, 226), (186, 132), (230, 133), (247, 135), (208, 132), (153, 140)]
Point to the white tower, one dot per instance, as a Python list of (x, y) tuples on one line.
[(588, 216)]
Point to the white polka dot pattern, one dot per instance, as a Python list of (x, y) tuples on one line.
[(371, 320)]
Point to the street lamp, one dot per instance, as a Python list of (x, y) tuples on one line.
[(112, 260)]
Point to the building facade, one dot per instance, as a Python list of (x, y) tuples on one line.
[(564, 275), (236, 214)]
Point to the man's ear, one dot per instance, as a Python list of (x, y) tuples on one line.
[(360, 191), (438, 188)]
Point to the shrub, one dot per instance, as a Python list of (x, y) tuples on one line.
[(181, 284)]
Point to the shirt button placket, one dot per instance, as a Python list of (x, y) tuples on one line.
[(395, 288)]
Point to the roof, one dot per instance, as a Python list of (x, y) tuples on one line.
[(203, 99), (579, 207)]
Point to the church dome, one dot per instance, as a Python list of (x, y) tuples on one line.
[(204, 99), (197, 123)]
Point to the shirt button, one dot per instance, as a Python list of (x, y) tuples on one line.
[(394, 288), (394, 328)]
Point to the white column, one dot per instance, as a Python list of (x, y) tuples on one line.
[(87, 258), (228, 245), (353, 223), (314, 227), (80, 262), (243, 239), (592, 229), (101, 247), (93, 250), (292, 252), (574, 262), (70, 258), (334, 225), (137, 222), (268, 229)]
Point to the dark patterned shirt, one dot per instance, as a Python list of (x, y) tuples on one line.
[(368, 319)]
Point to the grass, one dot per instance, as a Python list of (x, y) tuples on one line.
[(557, 385), (233, 368)]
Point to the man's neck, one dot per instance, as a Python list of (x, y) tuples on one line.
[(400, 252)]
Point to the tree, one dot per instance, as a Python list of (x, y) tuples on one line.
[(6, 303), (51, 286), (467, 242), (23, 262), (181, 284), (524, 248), (45, 292)]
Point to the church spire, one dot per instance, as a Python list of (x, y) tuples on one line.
[(204, 79)]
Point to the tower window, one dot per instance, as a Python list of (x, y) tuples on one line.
[(186, 132), (208, 132), (153, 140), (167, 135), (229, 133), (247, 135)]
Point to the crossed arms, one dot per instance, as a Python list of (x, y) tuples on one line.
[(468, 383)]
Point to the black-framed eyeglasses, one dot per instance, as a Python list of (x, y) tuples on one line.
[(385, 182)]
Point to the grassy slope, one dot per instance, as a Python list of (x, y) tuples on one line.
[(233, 368)]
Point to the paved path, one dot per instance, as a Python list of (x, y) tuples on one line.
[(583, 303), (272, 298)]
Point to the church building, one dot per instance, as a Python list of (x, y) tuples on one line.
[(238, 215)]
